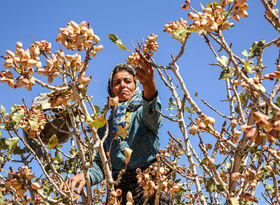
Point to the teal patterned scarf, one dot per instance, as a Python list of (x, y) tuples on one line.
[(118, 112)]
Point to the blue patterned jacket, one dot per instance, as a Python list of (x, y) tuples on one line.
[(142, 138)]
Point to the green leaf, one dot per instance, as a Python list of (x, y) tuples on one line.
[(171, 104), (53, 142), (245, 53), (215, 4), (223, 60), (188, 109), (236, 109), (3, 110), (122, 132), (242, 98), (202, 7), (59, 156), (33, 123), (17, 117), (117, 41), (73, 151), (19, 150), (14, 108), (11, 143), (113, 37), (220, 49), (249, 67), (225, 74), (231, 25), (269, 187), (97, 109), (98, 122), (120, 45), (255, 49), (210, 185), (2, 144), (180, 33), (226, 14), (2, 198), (209, 5), (278, 101), (203, 161), (226, 165)]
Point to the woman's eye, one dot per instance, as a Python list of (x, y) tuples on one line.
[(116, 83)]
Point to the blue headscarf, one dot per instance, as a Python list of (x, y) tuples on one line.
[(118, 112)]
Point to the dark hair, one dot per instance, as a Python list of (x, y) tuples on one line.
[(118, 68)]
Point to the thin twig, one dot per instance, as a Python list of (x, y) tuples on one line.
[(215, 110)]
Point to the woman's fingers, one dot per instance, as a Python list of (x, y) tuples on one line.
[(72, 185), (77, 180), (140, 72), (80, 187), (62, 186), (146, 66)]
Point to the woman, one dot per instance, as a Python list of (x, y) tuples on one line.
[(136, 112)]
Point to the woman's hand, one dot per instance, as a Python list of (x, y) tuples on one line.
[(146, 77), (78, 180)]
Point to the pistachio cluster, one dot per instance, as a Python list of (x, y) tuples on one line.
[(77, 36), (33, 121), (236, 133), (133, 59), (23, 62), (210, 20), (172, 27), (26, 62), (239, 10), (214, 17), (159, 175), (250, 175), (148, 47), (53, 64), (114, 197), (263, 128), (275, 74), (268, 15), (24, 80), (23, 59), (148, 179), (18, 180), (98, 193), (59, 61), (42, 46), (186, 5), (201, 123)]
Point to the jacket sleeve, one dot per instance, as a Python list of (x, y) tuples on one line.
[(151, 117), (96, 172)]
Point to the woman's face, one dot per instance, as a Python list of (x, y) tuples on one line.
[(123, 85)]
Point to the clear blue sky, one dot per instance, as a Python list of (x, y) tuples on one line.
[(131, 21)]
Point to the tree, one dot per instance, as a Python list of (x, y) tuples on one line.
[(236, 152)]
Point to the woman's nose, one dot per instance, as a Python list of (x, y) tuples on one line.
[(123, 84)]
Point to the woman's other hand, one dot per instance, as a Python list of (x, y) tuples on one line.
[(78, 180)]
